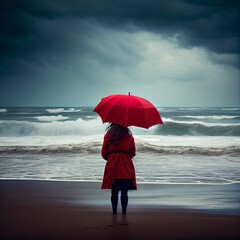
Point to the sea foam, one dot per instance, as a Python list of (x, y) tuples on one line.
[(51, 118)]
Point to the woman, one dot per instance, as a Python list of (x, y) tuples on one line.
[(119, 175)]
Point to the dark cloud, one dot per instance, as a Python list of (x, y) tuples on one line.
[(30, 28), (201, 23), (38, 38), (198, 19)]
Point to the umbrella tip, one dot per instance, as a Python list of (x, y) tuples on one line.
[(129, 93)]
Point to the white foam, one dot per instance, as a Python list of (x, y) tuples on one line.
[(51, 118), (56, 128), (3, 110), (59, 110), (49, 140), (214, 117), (150, 167), (55, 110), (230, 109), (194, 141), (169, 120), (151, 141)]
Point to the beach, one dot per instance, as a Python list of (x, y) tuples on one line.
[(81, 210), (187, 172)]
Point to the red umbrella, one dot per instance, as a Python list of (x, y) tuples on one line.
[(128, 110)]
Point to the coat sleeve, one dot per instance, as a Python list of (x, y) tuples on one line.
[(104, 151), (132, 150)]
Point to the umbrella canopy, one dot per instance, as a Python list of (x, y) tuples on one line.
[(128, 110)]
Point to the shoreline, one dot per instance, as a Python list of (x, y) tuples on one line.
[(99, 181), (205, 198)]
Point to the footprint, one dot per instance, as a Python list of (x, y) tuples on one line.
[(124, 224)]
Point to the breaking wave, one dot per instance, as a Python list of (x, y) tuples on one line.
[(198, 128), (214, 117), (53, 128), (59, 110), (207, 124), (143, 147), (60, 125), (178, 150), (50, 118)]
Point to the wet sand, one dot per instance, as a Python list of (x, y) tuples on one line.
[(77, 210)]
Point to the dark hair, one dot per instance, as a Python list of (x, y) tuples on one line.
[(117, 132)]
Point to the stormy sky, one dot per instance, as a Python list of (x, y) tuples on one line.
[(181, 53)]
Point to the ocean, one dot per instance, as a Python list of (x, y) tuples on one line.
[(193, 146)]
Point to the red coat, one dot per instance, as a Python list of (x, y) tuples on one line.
[(119, 160)]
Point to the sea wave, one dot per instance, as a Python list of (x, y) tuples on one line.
[(178, 150), (93, 147), (3, 110), (51, 118), (197, 128), (214, 117), (230, 109), (53, 126), (207, 124), (59, 110), (143, 147)]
